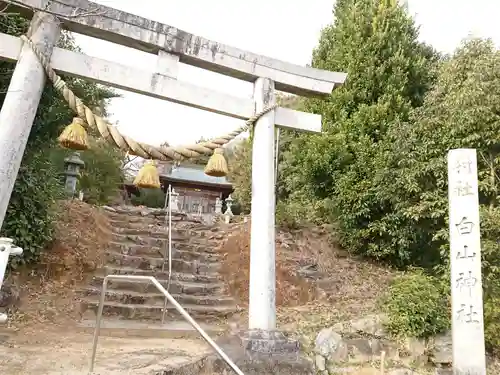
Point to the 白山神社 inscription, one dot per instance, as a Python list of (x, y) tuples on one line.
[(465, 258)]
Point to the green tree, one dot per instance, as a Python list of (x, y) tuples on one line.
[(154, 198), (102, 175), (31, 212), (389, 71), (239, 156), (240, 172), (462, 111)]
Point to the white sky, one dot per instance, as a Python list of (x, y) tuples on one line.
[(275, 28)]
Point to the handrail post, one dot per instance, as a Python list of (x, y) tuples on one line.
[(97, 330), (164, 312)]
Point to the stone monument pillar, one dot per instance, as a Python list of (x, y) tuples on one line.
[(469, 356)]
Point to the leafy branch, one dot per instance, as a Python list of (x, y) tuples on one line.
[(5, 13)]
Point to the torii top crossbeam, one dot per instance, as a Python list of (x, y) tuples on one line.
[(150, 36)]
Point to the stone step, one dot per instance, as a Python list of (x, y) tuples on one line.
[(140, 230), (143, 212), (205, 277), (89, 306), (158, 252), (173, 329), (176, 286), (122, 218), (160, 241), (161, 231), (189, 221), (156, 297), (146, 239), (156, 263)]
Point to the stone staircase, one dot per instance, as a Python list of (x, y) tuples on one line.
[(138, 241)]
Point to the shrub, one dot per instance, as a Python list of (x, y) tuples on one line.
[(416, 306), (154, 198), (102, 175), (30, 217), (492, 325)]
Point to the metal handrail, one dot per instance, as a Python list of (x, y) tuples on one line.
[(168, 199), (172, 300)]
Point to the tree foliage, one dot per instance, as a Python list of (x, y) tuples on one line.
[(102, 175), (378, 171), (389, 70), (462, 111), (239, 156), (154, 198), (240, 172)]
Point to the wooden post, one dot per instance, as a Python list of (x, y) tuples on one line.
[(262, 303), (465, 252), (21, 103)]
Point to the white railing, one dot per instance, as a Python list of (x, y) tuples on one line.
[(6, 250), (168, 203), (172, 300)]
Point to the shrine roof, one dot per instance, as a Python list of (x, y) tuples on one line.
[(194, 174)]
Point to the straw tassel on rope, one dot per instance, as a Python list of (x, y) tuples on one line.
[(74, 136), (217, 164), (148, 177)]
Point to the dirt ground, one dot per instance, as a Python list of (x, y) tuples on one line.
[(46, 307), (46, 293), (316, 283), (67, 352)]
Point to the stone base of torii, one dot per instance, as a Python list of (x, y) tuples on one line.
[(255, 353)]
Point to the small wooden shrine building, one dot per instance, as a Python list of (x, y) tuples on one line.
[(196, 190)]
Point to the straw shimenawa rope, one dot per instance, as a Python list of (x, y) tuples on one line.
[(127, 144)]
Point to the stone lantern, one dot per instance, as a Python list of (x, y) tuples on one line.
[(229, 205), (72, 166), (228, 214)]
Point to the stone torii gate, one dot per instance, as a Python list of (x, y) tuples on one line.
[(172, 46)]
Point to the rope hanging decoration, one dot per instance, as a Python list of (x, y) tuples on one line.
[(74, 136), (148, 177)]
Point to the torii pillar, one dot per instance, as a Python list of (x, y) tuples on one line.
[(263, 338), (21, 102), (262, 303)]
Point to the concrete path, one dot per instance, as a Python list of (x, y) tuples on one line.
[(70, 355)]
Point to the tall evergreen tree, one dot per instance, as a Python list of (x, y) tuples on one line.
[(389, 72)]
